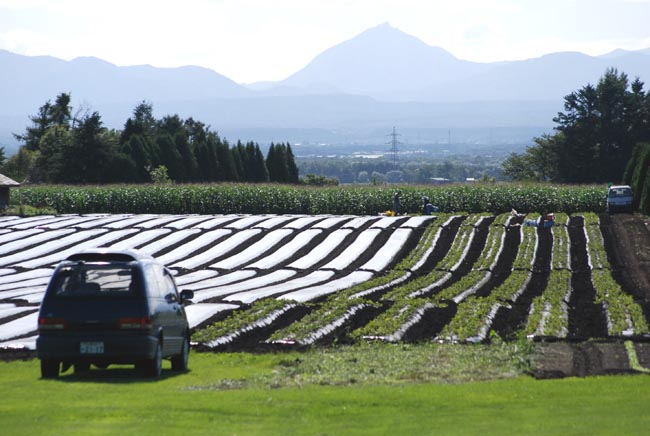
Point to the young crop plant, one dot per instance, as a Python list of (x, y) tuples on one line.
[(595, 243), (561, 242), (260, 314), (528, 245), (624, 316), (494, 244), (548, 314)]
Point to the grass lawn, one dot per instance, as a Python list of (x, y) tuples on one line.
[(376, 389)]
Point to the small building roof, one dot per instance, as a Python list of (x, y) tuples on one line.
[(6, 181)]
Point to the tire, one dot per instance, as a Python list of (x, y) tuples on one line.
[(50, 368), (153, 367), (180, 361)]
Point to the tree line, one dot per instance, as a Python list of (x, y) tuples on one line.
[(595, 135), (60, 147)]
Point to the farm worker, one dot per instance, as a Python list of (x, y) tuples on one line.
[(396, 203), (550, 220), (428, 207)]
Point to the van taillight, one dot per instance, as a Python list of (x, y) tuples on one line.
[(144, 323), (51, 323)]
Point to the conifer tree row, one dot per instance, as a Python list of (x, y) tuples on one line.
[(62, 148)]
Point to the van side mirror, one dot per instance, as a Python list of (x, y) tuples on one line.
[(186, 295)]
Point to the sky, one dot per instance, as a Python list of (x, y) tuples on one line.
[(260, 40)]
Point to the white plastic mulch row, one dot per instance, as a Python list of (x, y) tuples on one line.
[(30, 293), (47, 248), (26, 275), (174, 238), (301, 240), (140, 238), (354, 249), (19, 327), (27, 238), (198, 313), (252, 283), (387, 253), (254, 250), (101, 221), (7, 310), (70, 222), (220, 249), (187, 222), (58, 256), (216, 222), (192, 246), (348, 281), (279, 288), (20, 234), (21, 221), (37, 281), (220, 280), (322, 250), (5, 271)]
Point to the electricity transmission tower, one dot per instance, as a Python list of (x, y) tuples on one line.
[(393, 145)]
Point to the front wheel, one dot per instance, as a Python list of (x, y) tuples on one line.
[(50, 368), (180, 361)]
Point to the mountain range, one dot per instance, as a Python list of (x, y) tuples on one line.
[(380, 78)]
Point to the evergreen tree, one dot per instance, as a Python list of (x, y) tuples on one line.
[(238, 163), (261, 174), (293, 175), (271, 164), (49, 115), (595, 134), (170, 157), (187, 158)]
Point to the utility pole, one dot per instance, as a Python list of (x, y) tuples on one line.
[(393, 145)]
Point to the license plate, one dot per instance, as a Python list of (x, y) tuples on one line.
[(91, 348)]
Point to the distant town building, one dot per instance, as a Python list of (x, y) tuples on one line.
[(5, 184), (439, 180)]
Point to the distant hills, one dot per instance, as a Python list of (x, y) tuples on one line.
[(380, 78)]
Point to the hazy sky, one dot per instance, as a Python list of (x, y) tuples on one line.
[(253, 40)]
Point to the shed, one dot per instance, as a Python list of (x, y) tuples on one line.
[(5, 184)]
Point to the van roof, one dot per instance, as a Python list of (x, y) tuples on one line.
[(109, 255)]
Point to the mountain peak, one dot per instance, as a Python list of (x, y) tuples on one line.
[(379, 60)]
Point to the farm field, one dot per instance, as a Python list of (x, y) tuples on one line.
[(287, 281)]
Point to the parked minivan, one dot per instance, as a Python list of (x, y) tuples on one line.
[(619, 198), (105, 307)]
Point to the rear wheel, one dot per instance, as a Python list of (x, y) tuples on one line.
[(50, 368), (180, 361), (153, 367)]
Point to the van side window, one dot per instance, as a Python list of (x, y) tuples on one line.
[(152, 274), (169, 286)]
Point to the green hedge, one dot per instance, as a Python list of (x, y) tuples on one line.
[(283, 199)]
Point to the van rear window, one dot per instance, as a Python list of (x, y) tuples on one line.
[(96, 280), (620, 192)]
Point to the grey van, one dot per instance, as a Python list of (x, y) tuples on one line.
[(619, 198), (105, 307)]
